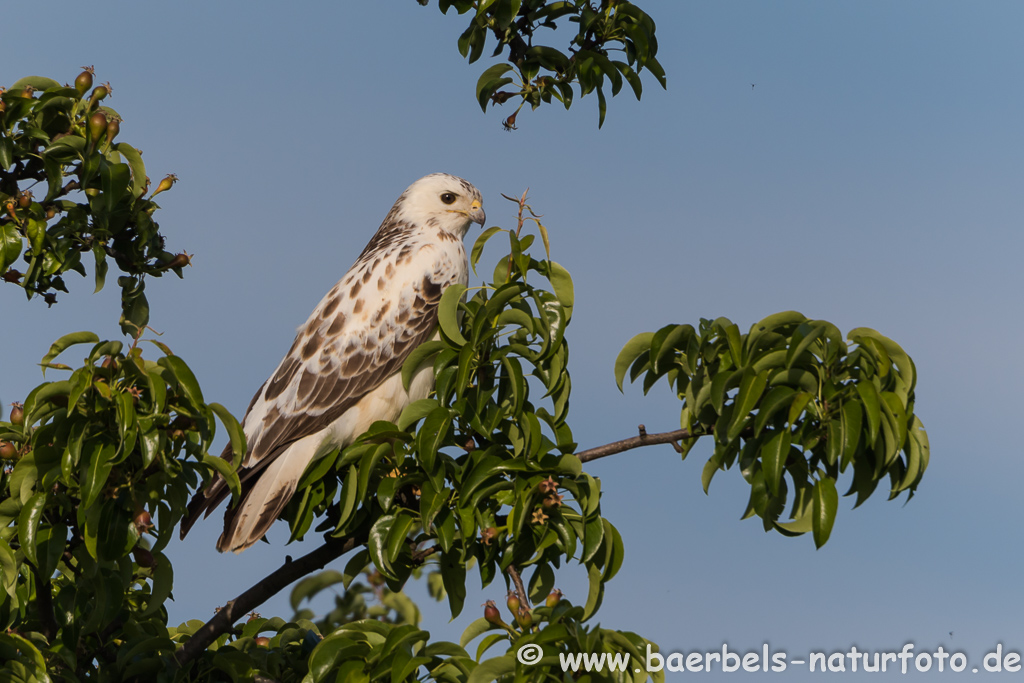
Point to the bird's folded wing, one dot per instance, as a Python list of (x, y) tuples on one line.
[(337, 358)]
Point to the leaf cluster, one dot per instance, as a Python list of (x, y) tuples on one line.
[(93, 196), (543, 73), (790, 400), (100, 473), (557, 629)]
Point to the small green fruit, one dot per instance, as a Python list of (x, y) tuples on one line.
[(84, 80), (179, 261), (143, 521), (144, 558), (513, 603), (492, 615), (165, 184), (8, 451), (97, 125)]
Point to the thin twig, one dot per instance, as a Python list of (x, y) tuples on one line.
[(643, 439), (44, 601), (265, 588), (520, 589), (420, 555)]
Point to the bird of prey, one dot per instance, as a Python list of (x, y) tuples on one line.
[(343, 372)]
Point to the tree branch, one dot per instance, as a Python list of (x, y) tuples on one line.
[(293, 570), (264, 589), (518, 581), (643, 439), (44, 601)]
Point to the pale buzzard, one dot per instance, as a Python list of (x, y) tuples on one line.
[(343, 371)]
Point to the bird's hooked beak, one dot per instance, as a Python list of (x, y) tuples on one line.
[(476, 212)]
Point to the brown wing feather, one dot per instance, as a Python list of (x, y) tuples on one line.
[(322, 397)]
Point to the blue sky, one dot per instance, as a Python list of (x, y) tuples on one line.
[(872, 177)]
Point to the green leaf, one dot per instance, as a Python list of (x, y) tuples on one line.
[(492, 669), (800, 525), (226, 470), (419, 356), (798, 350), (98, 461), (561, 282), (431, 435), (773, 401), (135, 163), (872, 408), (68, 340), (751, 387), (28, 524), (796, 408), (478, 245), (897, 414), (800, 379), (415, 412), (596, 593), (37, 82), (10, 246), (453, 575), (711, 467), (834, 441), (307, 588), (36, 231), (114, 181), (632, 78), (163, 581), (851, 423), (629, 353), (448, 313), (8, 569), (377, 545), (6, 152), (544, 237), (489, 82), (100, 257), (773, 458), (186, 380), (14, 647), (235, 431), (824, 504), (477, 628), (397, 536)]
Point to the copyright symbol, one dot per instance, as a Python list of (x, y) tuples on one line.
[(530, 654)]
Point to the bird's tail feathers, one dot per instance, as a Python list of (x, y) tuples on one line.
[(207, 498), (253, 517)]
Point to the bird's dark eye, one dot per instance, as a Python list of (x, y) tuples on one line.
[(448, 198)]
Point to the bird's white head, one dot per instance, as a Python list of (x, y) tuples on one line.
[(446, 201)]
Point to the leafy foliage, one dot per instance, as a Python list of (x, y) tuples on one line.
[(541, 72), (790, 397), (100, 456), (95, 195)]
